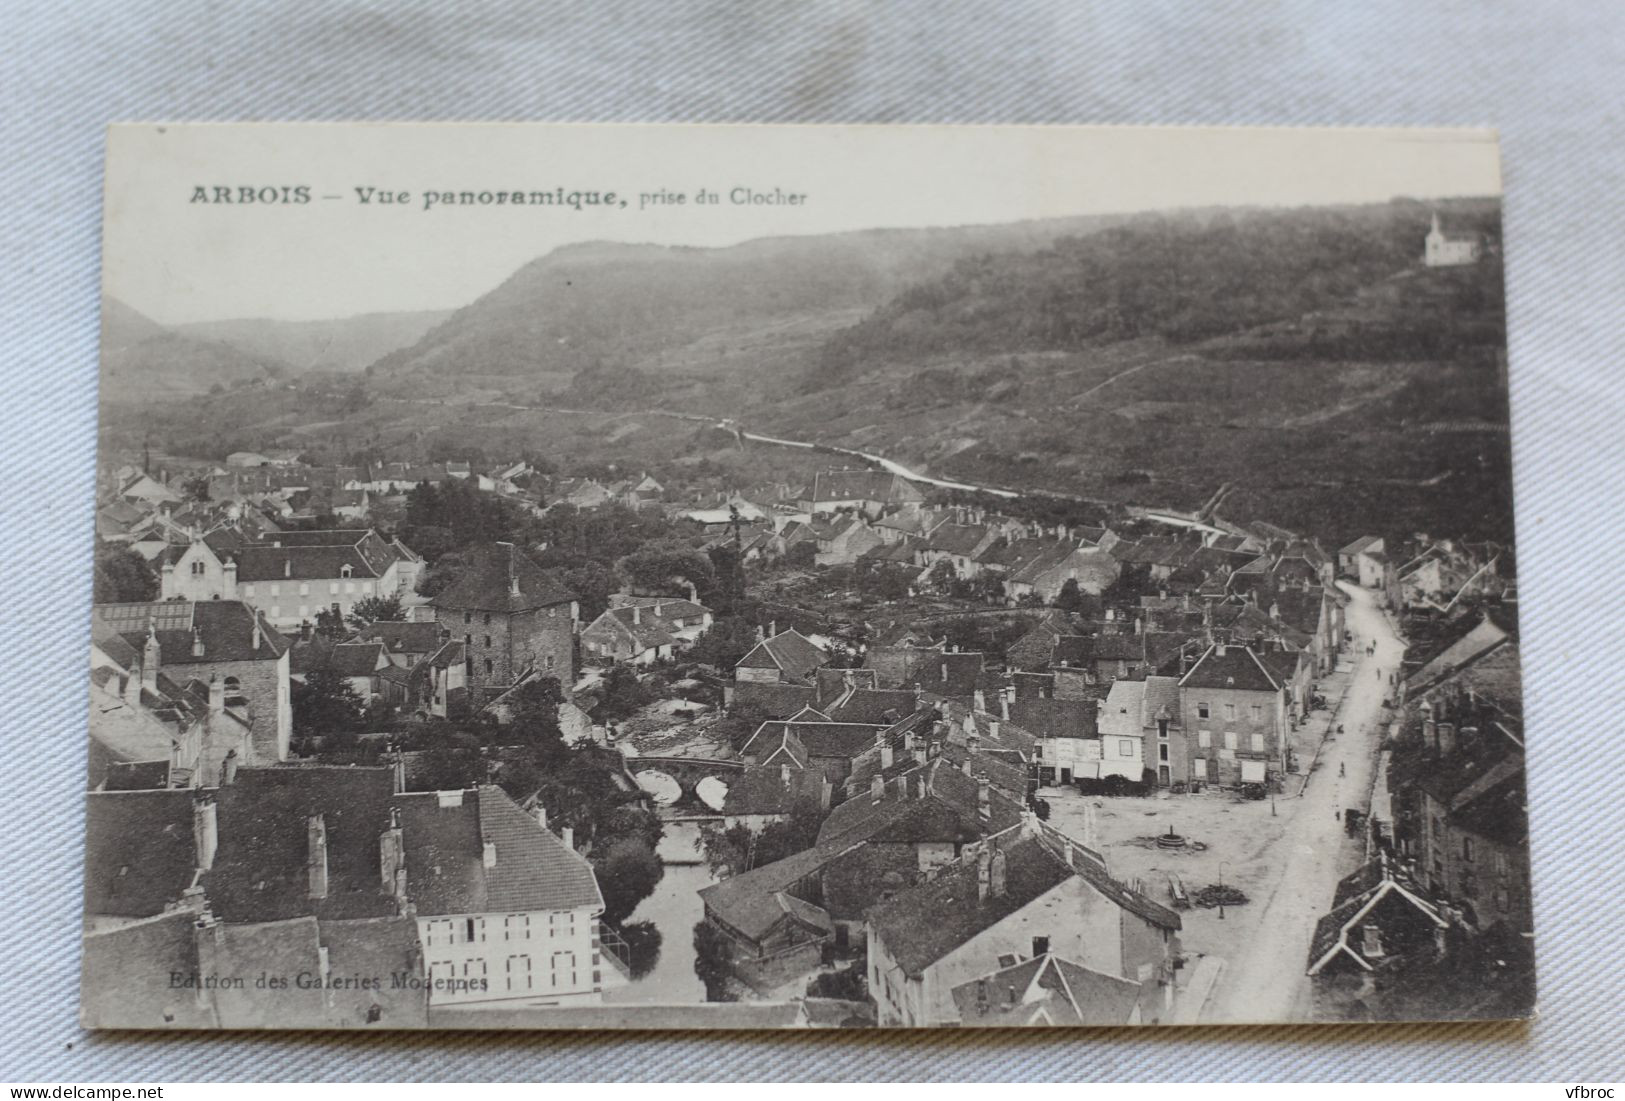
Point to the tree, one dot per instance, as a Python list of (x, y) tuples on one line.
[(663, 566), (592, 582), (713, 953), (1070, 597), (943, 576), (802, 556), (375, 609), (724, 642), (622, 694), (325, 705), (643, 941), (122, 576), (330, 624), (533, 717), (628, 872), (196, 489)]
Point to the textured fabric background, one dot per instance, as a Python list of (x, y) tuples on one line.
[(1548, 74)]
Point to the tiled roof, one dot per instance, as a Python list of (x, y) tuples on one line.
[(139, 851), (922, 925), (1064, 992), (402, 637), (1050, 718), (778, 701), (749, 901), (534, 869), (499, 578), (1361, 544), (788, 651), (261, 869), (444, 852), (355, 659), (874, 706), (1230, 667), (949, 811), (821, 739), (771, 790), (224, 627), (125, 974)]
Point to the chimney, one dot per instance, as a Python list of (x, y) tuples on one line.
[(637, 615), (151, 658), (205, 832), (316, 838), (984, 802), (784, 775), (984, 873), (1218, 648), (1004, 705), (1447, 738), (978, 700), (919, 786), (569, 838), (392, 856), (230, 568), (256, 639), (197, 643), (995, 876), (217, 695), (287, 566), (693, 594), (228, 768), (772, 627), (490, 854), (1139, 625), (541, 814), (397, 772), (656, 608), (877, 788)]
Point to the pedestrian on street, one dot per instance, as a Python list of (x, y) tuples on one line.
[(1338, 814), (1342, 768)]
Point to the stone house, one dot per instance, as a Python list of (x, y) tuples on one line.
[(1234, 716)]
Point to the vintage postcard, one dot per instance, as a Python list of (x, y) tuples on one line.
[(832, 577)]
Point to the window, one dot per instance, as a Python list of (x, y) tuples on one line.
[(332, 588), (553, 611), (518, 972), (487, 642), (487, 619), (304, 588), (488, 667), (276, 611), (1202, 711), (468, 617), (346, 570), (1467, 850), (276, 590), (1125, 747), (1258, 713), (475, 930), (1229, 712), (248, 590), (197, 567), (550, 661), (233, 686), (1257, 743), (349, 586), (516, 927), (474, 972), (1230, 739), (1204, 738), (1162, 752)]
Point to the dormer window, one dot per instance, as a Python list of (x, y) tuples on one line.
[(346, 570), (198, 568)]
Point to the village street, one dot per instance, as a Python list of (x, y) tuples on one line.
[(1266, 982)]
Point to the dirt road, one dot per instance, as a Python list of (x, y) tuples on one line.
[(1267, 983)]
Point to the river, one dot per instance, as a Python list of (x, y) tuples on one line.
[(675, 909)]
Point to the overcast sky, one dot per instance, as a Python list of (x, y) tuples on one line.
[(177, 260)]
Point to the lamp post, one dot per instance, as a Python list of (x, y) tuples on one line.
[(1221, 890)]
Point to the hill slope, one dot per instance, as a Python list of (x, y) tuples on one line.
[(338, 344), (142, 361), (677, 313)]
